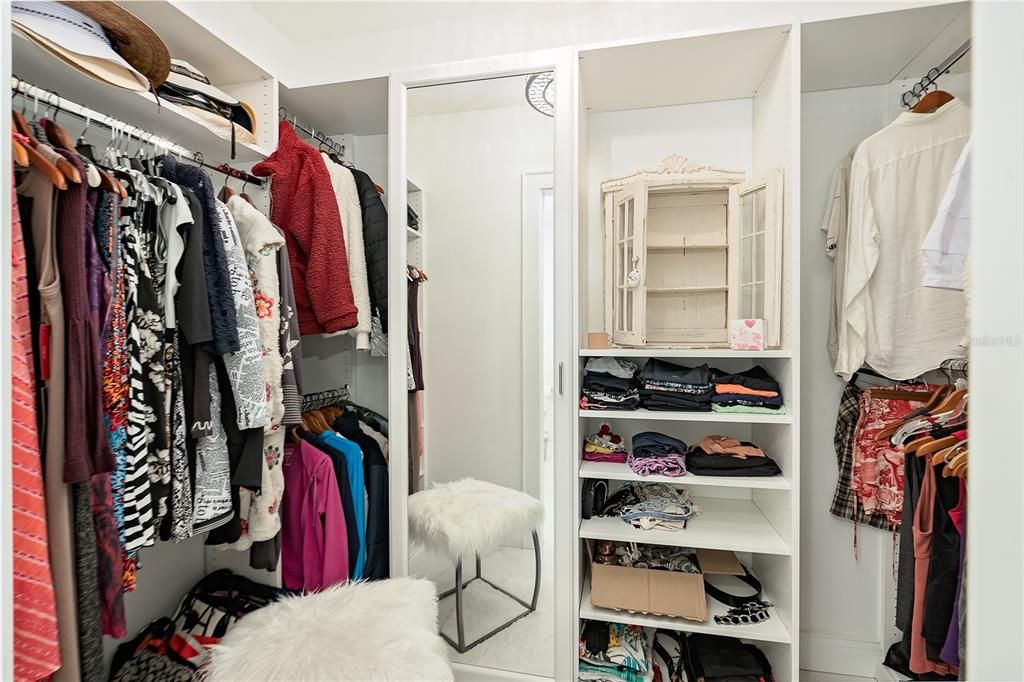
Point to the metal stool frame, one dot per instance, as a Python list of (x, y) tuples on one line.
[(461, 645)]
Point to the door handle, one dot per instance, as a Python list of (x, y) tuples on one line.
[(561, 384)]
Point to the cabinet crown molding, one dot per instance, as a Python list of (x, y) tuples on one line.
[(677, 170)]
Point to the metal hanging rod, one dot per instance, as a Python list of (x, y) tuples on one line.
[(920, 88), (325, 143), (53, 100)]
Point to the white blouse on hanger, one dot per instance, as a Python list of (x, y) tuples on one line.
[(897, 179)]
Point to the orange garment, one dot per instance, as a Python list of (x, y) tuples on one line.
[(739, 388), (36, 651), (924, 515), (724, 445)]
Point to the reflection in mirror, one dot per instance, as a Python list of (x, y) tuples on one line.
[(481, 389)]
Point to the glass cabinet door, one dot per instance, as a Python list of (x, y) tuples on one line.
[(755, 253), (625, 214)]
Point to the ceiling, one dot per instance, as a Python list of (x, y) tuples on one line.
[(450, 98), (304, 21), (878, 48), (682, 71)]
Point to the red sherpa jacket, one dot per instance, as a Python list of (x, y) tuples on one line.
[(303, 205)]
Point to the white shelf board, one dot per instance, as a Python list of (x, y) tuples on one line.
[(42, 69), (712, 417), (413, 234), (771, 630), (685, 290), (655, 352), (620, 472), (735, 525)]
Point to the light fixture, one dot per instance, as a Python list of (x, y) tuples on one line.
[(540, 92)]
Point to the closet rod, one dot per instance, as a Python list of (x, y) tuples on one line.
[(321, 138), (91, 117), (919, 89)]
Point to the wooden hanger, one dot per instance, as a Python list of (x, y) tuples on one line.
[(932, 101), (40, 162), (899, 394), (19, 153), (946, 454), (957, 465), (936, 398), (935, 445)]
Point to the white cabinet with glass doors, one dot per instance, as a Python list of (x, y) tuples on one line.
[(689, 247)]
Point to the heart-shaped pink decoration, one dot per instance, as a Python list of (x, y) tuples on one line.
[(750, 323)]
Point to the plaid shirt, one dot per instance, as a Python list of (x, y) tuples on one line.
[(845, 504)]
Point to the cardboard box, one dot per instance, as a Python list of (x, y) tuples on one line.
[(658, 592), (597, 340)]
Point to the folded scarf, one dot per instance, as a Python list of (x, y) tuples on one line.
[(658, 465), (741, 399), (748, 409), (725, 445), (740, 388)]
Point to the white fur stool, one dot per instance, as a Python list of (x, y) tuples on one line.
[(470, 517), (384, 630)]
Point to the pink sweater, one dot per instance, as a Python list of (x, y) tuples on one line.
[(314, 544)]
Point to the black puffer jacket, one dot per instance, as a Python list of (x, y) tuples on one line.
[(375, 243)]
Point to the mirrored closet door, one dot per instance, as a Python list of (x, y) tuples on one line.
[(481, 367)]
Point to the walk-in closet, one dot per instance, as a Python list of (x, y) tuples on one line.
[(512, 341)]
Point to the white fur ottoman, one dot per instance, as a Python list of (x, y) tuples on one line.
[(384, 630), (470, 517)]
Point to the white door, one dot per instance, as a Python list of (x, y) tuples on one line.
[(625, 220), (755, 252)]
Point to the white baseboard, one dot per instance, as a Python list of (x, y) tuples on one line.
[(475, 673), (840, 656)]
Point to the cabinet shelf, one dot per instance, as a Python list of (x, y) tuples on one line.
[(656, 352), (687, 247), (712, 417), (620, 472), (413, 234), (771, 630), (735, 525), (686, 290)]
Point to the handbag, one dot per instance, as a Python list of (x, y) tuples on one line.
[(149, 657), (592, 497)]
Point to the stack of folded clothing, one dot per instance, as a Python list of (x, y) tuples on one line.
[(613, 652), (752, 391), (724, 456), (609, 384), (665, 386), (604, 446), (651, 505), (655, 454)]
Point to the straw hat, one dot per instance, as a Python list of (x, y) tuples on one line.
[(97, 37)]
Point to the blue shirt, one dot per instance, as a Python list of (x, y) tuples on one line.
[(354, 460)]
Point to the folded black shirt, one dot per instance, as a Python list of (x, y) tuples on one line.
[(756, 378)]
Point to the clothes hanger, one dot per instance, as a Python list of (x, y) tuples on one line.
[(225, 192), (936, 398), (35, 159), (935, 445), (932, 101), (69, 172), (957, 466), (19, 153), (244, 195), (944, 456)]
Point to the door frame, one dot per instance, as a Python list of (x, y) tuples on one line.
[(561, 62)]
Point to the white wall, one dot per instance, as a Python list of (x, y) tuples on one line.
[(470, 166), (717, 133), (846, 610)]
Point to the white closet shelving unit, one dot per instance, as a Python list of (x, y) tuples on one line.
[(728, 100)]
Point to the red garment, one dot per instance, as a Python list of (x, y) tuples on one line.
[(36, 651), (878, 465), (304, 206)]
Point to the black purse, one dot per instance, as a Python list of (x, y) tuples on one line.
[(592, 497)]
